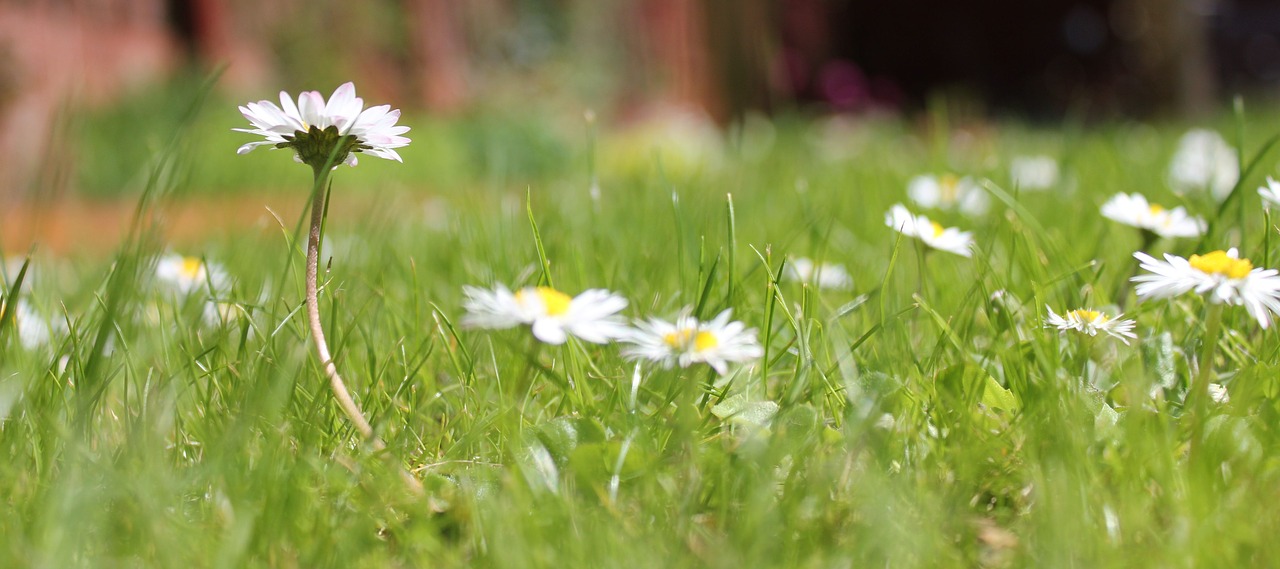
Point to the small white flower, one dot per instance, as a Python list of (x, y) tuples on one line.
[(1088, 321), (1204, 161), (948, 192), (33, 330), (823, 275), (688, 341), (189, 274), (1134, 210), (301, 126), (1034, 172), (553, 315), (1220, 276), (1270, 193), (947, 239), (1218, 393)]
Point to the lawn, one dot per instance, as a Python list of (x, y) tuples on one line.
[(921, 415)]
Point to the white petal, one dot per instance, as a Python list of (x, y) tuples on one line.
[(549, 330)]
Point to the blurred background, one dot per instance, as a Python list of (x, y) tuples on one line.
[(88, 87)]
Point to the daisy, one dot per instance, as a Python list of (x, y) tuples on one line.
[(1135, 211), (1088, 321), (934, 235), (1221, 276), (1204, 161), (688, 341), (1218, 393), (314, 128), (553, 315), (33, 331), (948, 192), (188, 274), (1270, 193), (823, 275), (1034, 172), (11, 266)]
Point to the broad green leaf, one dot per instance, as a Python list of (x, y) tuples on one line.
[(995, 396)]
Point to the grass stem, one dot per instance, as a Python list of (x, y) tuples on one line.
[(1197, 398)]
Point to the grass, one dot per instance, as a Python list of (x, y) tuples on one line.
[(142, 435)]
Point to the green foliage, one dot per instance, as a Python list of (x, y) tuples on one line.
[(917, 420)]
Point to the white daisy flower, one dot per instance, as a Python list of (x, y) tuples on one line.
[(1089, 321), (313, 127), (1221, 276), (1270, 193), (1204, 161), (33, 330), (553, 315), (1135, 211), (688, 341), (1218, 393), (1034, 172), (189, 274), (947, 239), (823, 275), (948, 192), (10, 269)]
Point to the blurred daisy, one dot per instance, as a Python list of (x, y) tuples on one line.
[(684, 139), (823, 275), (687, 341), (553, 315), (1135, 211), (33, 330), (948, 192), (947, 239), (1034, 172), (1270, 193), (1220, 276), (1218, 393), (314, 128), (1204, 161), (11, 266), (188, 274), (1088, 321)]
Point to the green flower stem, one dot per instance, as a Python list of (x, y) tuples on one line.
[(577, 377), (340, 391), (313, 315), (922, 266), (1198, 397), (1084, 353)]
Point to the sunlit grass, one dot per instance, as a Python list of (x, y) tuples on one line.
[(924, 417)]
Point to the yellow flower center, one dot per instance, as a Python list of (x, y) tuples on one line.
[(937, 228), (1155, 209), (949, 186), (555, 302), (1088, 315), (678, 338), (1219, 263), (705, 341), (701, 341), (191, 267)]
